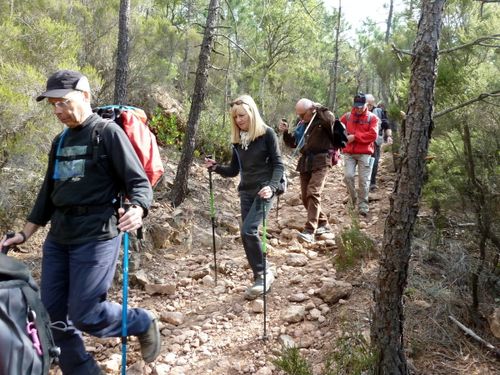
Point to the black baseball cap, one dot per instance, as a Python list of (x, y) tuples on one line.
[(63, 82), (359, 100)]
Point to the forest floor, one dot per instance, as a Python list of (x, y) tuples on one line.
[(210, 328)]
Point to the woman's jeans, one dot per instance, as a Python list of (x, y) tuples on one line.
[(251, 215)]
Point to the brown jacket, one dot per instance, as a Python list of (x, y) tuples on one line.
[(316, 152)]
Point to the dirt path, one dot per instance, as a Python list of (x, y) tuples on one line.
[(212, 329)]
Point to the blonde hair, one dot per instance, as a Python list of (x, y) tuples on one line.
[(256, 127)]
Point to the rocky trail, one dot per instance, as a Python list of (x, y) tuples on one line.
[(210, 328)]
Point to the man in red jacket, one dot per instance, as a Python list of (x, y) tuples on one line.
[(361, 126)]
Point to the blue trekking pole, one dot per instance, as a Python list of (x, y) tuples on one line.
[(124, 302)]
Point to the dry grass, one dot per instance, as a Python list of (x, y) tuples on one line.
[(439, 286)]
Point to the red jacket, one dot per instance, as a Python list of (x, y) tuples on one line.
[(364, 128)]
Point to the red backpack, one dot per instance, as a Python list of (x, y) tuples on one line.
[(133, 121)]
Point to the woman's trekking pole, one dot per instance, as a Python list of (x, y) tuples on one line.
[(125, 301), (212, 216), (264, 253)]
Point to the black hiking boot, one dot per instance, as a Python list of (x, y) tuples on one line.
[(150, 340)]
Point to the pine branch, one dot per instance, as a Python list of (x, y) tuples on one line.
[(237, 46), (469, 102), (478, 41)]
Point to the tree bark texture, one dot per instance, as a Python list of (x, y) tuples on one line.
[(333, 96), (121, 75), (389, 22), (180, 188), (481, 197), (388, 314)]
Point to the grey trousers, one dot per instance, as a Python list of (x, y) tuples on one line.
[(362, 161)]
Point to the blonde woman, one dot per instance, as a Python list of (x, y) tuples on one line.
[(257, 158)]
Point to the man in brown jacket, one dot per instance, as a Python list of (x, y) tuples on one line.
[(313, 136)]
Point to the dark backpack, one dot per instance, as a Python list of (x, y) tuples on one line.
[(27, 345), (338, 135), (283, 184), (133, 121)]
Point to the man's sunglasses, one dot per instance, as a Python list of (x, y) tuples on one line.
[(237, 102), (63, 104)]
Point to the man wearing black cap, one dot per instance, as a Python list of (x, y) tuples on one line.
[(81, 250), (361, 126)]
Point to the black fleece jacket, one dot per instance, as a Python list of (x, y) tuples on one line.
[(83, 184), (260, 165)]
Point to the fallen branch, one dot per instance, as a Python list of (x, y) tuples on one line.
[(472, 334)]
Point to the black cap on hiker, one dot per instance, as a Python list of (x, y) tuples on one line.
[(63, 82), (359, 100)]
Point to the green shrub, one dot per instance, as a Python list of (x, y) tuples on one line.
[(353, 245), (166, 129), (214, 135), (446, 173), (291, 362), (352, 356)]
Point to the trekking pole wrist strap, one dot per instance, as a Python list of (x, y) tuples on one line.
[(23, 235), (137, 206)]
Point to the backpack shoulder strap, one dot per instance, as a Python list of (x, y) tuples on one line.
[(40, 317), (267, 137), (97, 138), (237, 157)]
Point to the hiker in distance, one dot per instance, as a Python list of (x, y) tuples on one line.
[(257, 158), (361, 127), (81, 249), (313, 136), (384, 136)]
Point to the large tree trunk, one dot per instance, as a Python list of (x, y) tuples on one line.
[(180, 188), (121, 75), (389, 22), (333, 96), (184, 73), (388, 317)]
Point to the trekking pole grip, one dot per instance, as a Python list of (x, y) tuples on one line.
[(9, 234)]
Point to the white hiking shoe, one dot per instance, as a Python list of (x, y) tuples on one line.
[(306, 236), (323, 229), (257, 289)]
